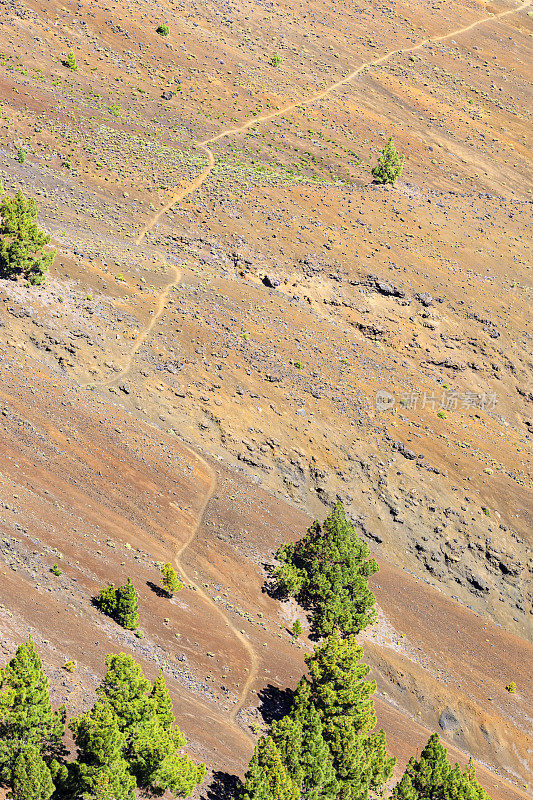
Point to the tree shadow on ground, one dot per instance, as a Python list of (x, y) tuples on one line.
[(223, 786), (270, 586), (274, 702), (158, 590)]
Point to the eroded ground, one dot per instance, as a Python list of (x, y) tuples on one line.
[(217, 326)]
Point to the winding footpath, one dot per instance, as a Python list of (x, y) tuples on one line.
[(177, 197)]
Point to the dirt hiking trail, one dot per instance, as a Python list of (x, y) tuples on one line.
[(184, 192)]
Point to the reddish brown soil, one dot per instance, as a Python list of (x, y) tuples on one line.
[(157, 394)]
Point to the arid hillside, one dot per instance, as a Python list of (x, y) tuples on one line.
[(240, 328)]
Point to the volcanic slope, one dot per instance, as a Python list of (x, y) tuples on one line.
[(243, 287)]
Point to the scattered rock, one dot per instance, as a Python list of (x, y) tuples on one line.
[(425, 298), (271, 281), (448, 721)]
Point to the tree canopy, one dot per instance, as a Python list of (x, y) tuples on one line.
[(326, 742), (30, 730), (169, 580), (128, 740), (434, 778), (22, 241), (327, 571), (389, 166), (120, 603)]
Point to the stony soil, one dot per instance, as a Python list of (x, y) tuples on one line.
[(201, 375)]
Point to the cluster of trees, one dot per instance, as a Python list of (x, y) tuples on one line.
[(434, 778), (325, 747), (120, 603), (327, 571), (127, 740), (22, 240)]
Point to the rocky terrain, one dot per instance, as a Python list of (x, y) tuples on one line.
[(240, 328)]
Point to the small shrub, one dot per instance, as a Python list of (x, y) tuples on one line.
[(276, 60), (441, 414), (55, 570), (69, 666), (114, 110), (511, 687), (389, 166), (297, 629), (163, 30), (298, 364), (139, 633), (486, 511), (21, 155), (70, 61)]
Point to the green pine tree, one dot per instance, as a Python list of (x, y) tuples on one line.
[(22, 241), (103, 787), (127, 613), (328, 571), (169, 580), (106, 600), (162, 703), (405, 790), (389, 166), (30, 777), (303, 749), (267, 778), (434, 778), (70, 61), (343, 700), (101, 746), (255, 781), (297, 629), (144, 715), (126, 690), (26, 714)]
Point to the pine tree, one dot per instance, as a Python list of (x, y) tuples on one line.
[(70, 61), (162, 703), (170, 581), (255, 781), (343, 700), (106, 600), (126, 690), (144, 715), (101, 745), (22, 241), (405, 790), (103, 787), (328, 571), (127, 613), (430, 773), (297, 629), (26, 715), (30, 777), (389, 166), (303, 750), (433, 777), (267, 778)]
